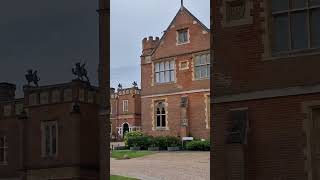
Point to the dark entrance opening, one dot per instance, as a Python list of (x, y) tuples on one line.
[(125, 129)]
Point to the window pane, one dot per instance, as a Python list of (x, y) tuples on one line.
[(314, 2), (172, 76), (203, 59), (281, 33), (299, 30), (208, 59), (47, 140), (1, 155), (299, 3), (5, 141), (203, 71), (157, 67), (158, 121), (157, 77), (162, 66), (167, 76), (280, 5), (185, 36), (171, 64), (208, 70), (197, 60), (1, 142), (167, 65), (197, 73), (163, 121), (54, 139), (161, 77), (315, 28)]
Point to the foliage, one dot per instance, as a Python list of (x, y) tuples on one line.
[(161, 142), (127, 154), (173, 141), (139, 141), (132, 134), (198, 145)]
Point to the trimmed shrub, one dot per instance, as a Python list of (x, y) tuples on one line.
[(139, 141), (132, 134), (173, 141), (197, 145), (161, 142)]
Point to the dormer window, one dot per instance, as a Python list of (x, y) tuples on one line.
[(183, 36)]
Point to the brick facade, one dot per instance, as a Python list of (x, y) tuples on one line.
[(120, 116), (278, 92), (76, 155), (179, 121)]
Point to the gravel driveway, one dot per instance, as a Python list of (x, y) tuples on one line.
[(165, 166)]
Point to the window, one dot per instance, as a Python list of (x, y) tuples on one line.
[(183, 36), (164, 71), (3, 150), (202, 66), (295, 25), (49, 138), (239, 126), (160, 112), (125, 105)]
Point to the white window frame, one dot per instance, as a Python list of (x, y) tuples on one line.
[(4, 147), (205, 65), (50, 125), (125, 105), (167, 74)]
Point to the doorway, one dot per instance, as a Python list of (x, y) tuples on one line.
[(125, 129)]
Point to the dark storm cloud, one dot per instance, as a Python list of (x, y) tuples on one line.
[(49, 36)]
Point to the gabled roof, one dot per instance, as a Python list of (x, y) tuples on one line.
[(182, 8)]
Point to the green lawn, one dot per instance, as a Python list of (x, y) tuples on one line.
[(112, 177), (119, 154)]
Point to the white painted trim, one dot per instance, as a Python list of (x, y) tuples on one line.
[(177, 93), (290, 91)]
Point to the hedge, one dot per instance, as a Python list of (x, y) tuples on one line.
[(197, 145)]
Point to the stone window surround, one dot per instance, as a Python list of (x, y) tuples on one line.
[(193, 65), (153, 83), (177, 36), (43, 144), (184, 61), (154, 128), (267, 38)]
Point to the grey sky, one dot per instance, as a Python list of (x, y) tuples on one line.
[(48, 36), (132, 20)]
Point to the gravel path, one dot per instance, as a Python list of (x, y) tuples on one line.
[(165, 166)]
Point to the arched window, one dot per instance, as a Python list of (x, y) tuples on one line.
[(160, 114)]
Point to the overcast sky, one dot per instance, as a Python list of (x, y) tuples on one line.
[(132, 20), (51, 35)]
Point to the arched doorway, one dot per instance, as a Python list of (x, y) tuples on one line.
[(125, 129)]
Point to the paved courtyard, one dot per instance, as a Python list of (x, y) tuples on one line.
[(165, 166)]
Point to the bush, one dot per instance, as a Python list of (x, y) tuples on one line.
[(161, 142), (139, 141), (132, 134), (173, 141), (197, 145)]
